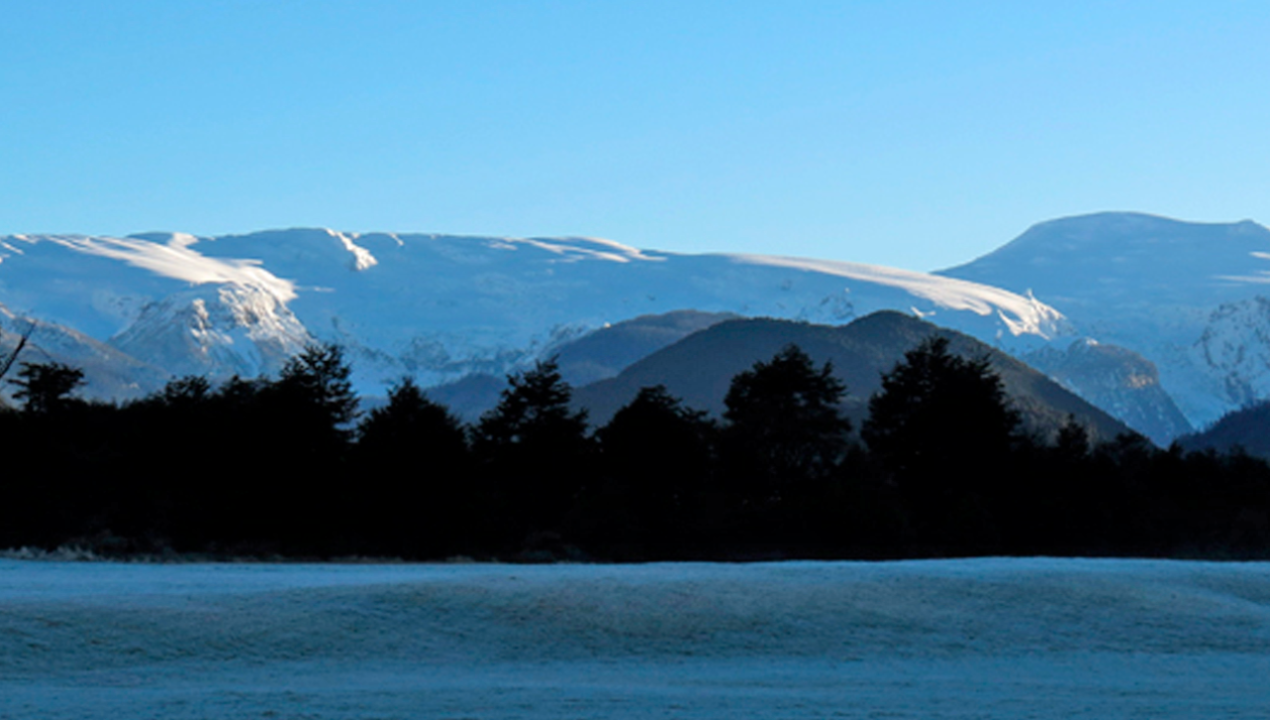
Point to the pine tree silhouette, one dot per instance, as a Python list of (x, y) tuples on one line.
[(784, 428)]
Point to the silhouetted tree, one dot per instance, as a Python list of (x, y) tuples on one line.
[(1072, 443), (246, 511), (302, 420), (784, 426), (318, 380), (941, 427), (533, 412), (657, 457), (71, 440), (1060, 476), (535, 446), (169, 429), (9, 358), (416, 495), (414, 423), (187, 391), (46, 387)]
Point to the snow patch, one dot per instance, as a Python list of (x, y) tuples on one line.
[(362, 259), (1021, 315), (179, 262), (575, 249)]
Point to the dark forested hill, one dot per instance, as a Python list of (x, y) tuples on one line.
[(700, 368), (1248, 428)]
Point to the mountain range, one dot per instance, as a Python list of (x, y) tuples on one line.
[(437, 307), (1165, 324)]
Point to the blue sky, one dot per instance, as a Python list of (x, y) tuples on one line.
[(913, 134)]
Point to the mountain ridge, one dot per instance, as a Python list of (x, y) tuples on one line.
[(439, 307)]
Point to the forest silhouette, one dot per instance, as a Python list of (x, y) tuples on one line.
[(287, 467)]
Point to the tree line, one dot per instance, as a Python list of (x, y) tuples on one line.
[(288, 467)]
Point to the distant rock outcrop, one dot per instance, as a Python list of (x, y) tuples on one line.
[(1118, 380)]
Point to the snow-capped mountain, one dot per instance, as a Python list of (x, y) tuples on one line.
[(1189, 297), (439, 307)]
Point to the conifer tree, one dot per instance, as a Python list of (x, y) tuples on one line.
[(784, 427), (413, 423), (535, 447), (415, 496), (305, 417), (46, 387), (939, 413), (318, 380), (533, 414), (942, 429), (657, 456)]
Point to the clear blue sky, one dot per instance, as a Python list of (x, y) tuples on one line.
[(913, 134)]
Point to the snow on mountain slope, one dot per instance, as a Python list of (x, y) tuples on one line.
[(1020, 315), (53, 276), (108, 372), (1189, 297), (215, 329), (1234, 350), (163, 304), (440, 307)]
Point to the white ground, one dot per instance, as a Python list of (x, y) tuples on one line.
[(989, 638)]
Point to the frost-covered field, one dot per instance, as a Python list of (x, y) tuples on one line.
[(988, 638)]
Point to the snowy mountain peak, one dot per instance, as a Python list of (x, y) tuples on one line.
[(1129, 257), (1184, 295)]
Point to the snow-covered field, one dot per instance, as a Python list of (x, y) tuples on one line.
[(985, 638)]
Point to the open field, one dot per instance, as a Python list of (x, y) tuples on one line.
[(981, 638)]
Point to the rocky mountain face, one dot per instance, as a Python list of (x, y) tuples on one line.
[(1117, 380), (1234, 348), (1190, 298), (215, 330)]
